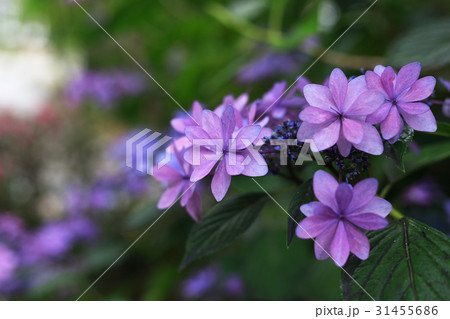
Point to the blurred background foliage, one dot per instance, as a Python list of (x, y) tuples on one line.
[(61, 165)]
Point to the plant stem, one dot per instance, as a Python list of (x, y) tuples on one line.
[(395, 214)]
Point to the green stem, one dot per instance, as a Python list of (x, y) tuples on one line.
[(396, 214)]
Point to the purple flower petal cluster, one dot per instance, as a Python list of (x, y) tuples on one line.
[(337, 219), (177, 176), (403, 93), (344, 113), (227, 147), (337, 115)]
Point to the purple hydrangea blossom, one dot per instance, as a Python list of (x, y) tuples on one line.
[(197, 285), (337, 114), (278, 105), (103, 87), (267, 66), (230, 149), (177, 177), (9, 261), (403, 93), (336, 218)]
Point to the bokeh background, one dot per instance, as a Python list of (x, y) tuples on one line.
[(69, 97)]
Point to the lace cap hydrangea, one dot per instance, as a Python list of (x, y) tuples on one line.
[(336, 115), (337, 219), (403, 93)]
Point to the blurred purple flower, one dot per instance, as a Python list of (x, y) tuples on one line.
[(403, 93), (8, 264), (334, 220), (280, 105), (11, 226), (103, 87), (199, 284), (446, 105), (234, 285), (268, 66), (337, 113), (229, 149), (424, 192)]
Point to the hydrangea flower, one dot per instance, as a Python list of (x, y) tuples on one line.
[(228, 148), (335, 220), (179, 124), (403, 93), (337, 114), (177, 176)]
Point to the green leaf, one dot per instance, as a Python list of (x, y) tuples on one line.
[(429, 44), (408, 261), (303, 195), (397, 150), (226, 221)]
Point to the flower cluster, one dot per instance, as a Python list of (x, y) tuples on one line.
[(344, 113), (341, 118), (336, 219)]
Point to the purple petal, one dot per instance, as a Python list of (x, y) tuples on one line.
[(308, 209), (377, 206), (318, 96), (413, 108), (170, 196), (338, 86), (220, 182), (228, 124), (355, 88), (166, 174), (371, 142), (202, 170), (359, 244), (363, 193), (368, 221), (197, 111), (407, 76), (257, 165), (196, 133), (327, 136), (420, 90), (340, 248), (423, 122), (307, 130), (212, 124), (379, 69), (233, 163), (353, 130), (344, 146), (387, 79), (373, 81), (367, 103), (187, 191), (380, 114), (178, 125), (313, 226), (322, 243), (315, 115), (194, 207), (325, 186), (392, 125), (246, 136), (344, 196)]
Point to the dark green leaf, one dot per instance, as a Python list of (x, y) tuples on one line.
[(429, 44), (397, 150), (408, 261), (303, 195), (226, 221)]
